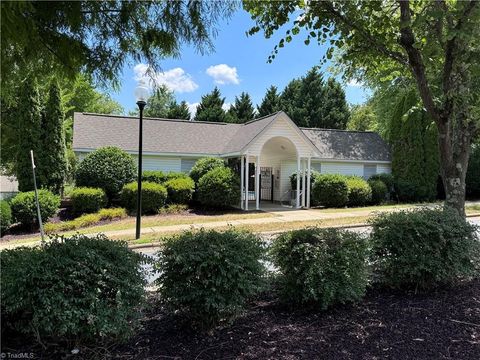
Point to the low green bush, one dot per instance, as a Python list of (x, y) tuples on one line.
[(108, 168), (293, 179), (359, 192), (321, 267), (387, 179), (24, 207), (86, 220), (5, 216), (472, 180), (330, 190), (207, 276), (87, 200), (379, 191), (79, 289), (173, 209), (424, 248), (154, 197), (155, 176), (219, 188), (180, 190), (203, 166)]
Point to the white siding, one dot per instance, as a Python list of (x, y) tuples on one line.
[(369, 170), (165, 164), (187, 164), (288, 167), (342, 168), (282, 128), (384, 168)]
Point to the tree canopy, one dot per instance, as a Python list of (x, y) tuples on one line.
[(242, 110), (270, 102), (211, 107)]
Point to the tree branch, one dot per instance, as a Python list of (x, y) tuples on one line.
[(407, 40)]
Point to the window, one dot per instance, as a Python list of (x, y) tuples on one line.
[(369, 170)]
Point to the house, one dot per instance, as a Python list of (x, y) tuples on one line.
[(273, 147), (8, 187)]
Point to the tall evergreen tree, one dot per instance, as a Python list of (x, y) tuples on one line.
[(335, 112), (52, 163), (291, 101), (28, 132), (312, 95), (270, 103), (179, 111), (211, 107), (242, 110)]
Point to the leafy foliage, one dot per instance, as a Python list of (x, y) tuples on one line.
[(211, 107), (208, 276), (473, 173), (5, 216), (179, 111), (359, 191), (204, 165), (362, 118), (87, 200), (379, 191), (387, 179), (95, 286), (180, 191), (24, 207), (242, 110), (86, 220), (330, 190), (159, 103), (270, 102), (108, 168), (424, 248), (154, 197), (155, 176), (322, 267), (219, 188)]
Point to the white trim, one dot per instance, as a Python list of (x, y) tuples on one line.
[(246, 182), (304, 191), (297, 200), (257, 183), (309, 181), (242, 180)]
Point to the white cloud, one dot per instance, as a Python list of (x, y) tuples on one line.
[(355, 83), (192, 107), (227, 106), (223, 74), (175, 79)]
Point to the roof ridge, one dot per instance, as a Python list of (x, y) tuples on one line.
[(262, 117), (339, 130)]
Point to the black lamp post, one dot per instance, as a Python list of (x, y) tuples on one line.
[(141, 93)]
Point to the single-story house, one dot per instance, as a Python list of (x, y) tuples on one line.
[(273, 146)]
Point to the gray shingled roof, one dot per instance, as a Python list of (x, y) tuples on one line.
[(348, 145), (92, 131)]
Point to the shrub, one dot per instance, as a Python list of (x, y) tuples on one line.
[(108, 168), (5, 216), (24, 207), (407, 191), (424, 248), (330, 190), (180, 190), (86, 220), (87, 200), (293, 179), (386, 178), (207, 275), (153, 197), (155, 176), (379, 191), (359, 192), (472, 181), (321, 267), (72, 289), (176, 175), (219, 188), (204, 165), (173, 209)]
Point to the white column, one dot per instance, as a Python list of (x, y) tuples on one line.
[(304, 192), (309, 180), (242, 180), (297, 203), (246, 182), (257, 182)]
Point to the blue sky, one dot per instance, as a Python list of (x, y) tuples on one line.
[(238, 63)]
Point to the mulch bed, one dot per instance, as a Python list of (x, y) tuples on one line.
[(386, 325)]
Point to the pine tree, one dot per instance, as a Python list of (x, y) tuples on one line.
[(243, 110), (179, 111), (52, 163), (211, 107), (291, 102), (312, 96), (270, 103), (335, 112), (28, 132)]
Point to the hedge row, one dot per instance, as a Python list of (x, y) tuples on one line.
[(208, 276)]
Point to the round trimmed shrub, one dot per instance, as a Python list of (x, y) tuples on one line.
[(321, 267), (387, 179), (359, 192), (330, 190), (108, 168), (204, 165), (219, 188), (155, 176), (24, 207), (79, 289), (87, 200), (207, 276), (154, 197), (5, 215), (424, 248), (180, 190), (379, 191)]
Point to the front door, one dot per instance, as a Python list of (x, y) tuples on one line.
[(266, 183)]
